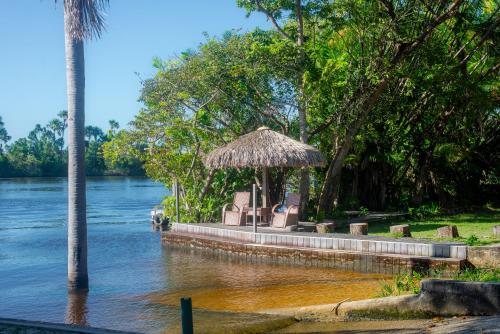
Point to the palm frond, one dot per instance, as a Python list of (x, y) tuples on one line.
[(85, 18)]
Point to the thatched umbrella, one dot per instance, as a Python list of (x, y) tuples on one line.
[(264, 148)]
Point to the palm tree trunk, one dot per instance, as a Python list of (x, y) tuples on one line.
[(77, 217)]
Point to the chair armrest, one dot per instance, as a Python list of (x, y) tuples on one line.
[(275, 206), (292, 207), (225, 206)]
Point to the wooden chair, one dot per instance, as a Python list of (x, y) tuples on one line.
[(290, 216), (237, 215)]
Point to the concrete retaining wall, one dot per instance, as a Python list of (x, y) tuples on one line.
[(369, 244), (346, 260), (437, 297), (460, 298), (484, 256), (17, 326)]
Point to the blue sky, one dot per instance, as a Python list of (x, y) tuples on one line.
[(32, 69)]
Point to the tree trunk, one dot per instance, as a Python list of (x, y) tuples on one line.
[(304, 173), (404, 50), (325, 203), (77, 218), (277, 186)]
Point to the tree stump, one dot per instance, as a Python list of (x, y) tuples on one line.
[(403, 230), (359, 229), (496, 230), (449, 231), (326, 226)]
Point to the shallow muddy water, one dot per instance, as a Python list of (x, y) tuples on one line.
[(135, 283)]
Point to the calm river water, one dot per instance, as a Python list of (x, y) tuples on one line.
[(135, 282)]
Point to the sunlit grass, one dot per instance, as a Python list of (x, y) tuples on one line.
[(468, 225)]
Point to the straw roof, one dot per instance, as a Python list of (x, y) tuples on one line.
[(264, 148)]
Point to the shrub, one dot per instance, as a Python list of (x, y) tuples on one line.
[(473, 240), (479, 275), (404, 283), (425, 210), (363, 211)]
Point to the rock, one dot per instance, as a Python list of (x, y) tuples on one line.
[(325, 227), (359, 229), (291, 228), (496, 230), (449, 231), (403, 230)]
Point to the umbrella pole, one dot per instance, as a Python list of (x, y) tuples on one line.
[(254, 209), (265, 186), (265, 194)]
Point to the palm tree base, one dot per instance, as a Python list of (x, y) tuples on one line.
[(78, 283)]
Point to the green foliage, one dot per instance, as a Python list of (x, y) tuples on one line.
[(478, 275), (363, 211), (409, 282), (472, 240), (43, 152), (203, 99), (397, 235), (403, 283), (4, 136), (414, 104), (424, 211)]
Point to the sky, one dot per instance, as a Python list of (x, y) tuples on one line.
[(32, 61)]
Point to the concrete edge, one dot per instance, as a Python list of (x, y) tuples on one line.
[(59, 327), (437, 297)]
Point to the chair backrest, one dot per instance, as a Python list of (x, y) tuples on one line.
[(293, 199), (241, 199)]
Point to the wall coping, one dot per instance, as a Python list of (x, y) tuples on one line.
[(329, 241)]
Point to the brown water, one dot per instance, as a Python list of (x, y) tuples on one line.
[(236, 286), (135, 283)]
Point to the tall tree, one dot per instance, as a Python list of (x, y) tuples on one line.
[(82, 20), (4, 137), (406, 39), (293, 10)]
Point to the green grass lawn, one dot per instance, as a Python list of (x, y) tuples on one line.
[(468, 224)]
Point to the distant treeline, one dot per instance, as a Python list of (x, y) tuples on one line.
[(44, 152)]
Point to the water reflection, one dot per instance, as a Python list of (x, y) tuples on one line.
[(76, 309)]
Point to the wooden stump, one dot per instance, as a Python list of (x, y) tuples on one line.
[(325, 227), (449, 231), (359, 229), (403, 230), (496, 230)]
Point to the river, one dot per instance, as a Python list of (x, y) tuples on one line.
[(135, 283)]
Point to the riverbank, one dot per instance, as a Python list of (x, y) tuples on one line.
[(436, 298)]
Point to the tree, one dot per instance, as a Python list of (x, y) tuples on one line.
[(82, 19), (4, 136), (400, 96), (387, 52), (205, 98), (293, 10), (113, 125)]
